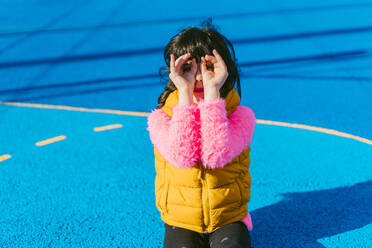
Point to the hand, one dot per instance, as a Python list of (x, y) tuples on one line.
[(213, 79), (183, 79)]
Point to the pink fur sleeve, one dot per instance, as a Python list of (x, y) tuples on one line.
[(223, 138), (178, 138)]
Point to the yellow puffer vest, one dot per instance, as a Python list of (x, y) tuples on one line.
[(185, 197)]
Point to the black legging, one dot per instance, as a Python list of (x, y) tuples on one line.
[(234, 235)]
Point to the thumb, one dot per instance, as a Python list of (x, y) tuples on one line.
[(194, 67), (203, 66)]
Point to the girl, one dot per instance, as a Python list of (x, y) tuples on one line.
[(201, 141)]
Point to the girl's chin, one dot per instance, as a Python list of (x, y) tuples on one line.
[(198, 96)]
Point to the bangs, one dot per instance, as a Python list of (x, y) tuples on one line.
[(197, 43)]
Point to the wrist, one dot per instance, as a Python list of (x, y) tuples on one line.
[(211, 93), (185, 97), (186, 90)]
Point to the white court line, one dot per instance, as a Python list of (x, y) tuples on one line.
[(120, 112)]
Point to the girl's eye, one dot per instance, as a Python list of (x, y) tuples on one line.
[(210, 66), (186, 68)]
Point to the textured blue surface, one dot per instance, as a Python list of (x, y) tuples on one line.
[(96, 189)]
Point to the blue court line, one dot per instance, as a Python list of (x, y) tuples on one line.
[(39, 30), (185, 19), (135, 53), (80, 42)]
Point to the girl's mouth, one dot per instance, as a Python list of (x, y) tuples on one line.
[(198, 89)]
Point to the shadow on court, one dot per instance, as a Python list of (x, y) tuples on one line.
[(304, 217)]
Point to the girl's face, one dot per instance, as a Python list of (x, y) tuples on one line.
[(198, 87)]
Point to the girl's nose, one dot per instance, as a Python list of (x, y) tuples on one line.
[(198, 76)]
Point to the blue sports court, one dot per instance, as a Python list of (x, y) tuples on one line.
[(78, 79)]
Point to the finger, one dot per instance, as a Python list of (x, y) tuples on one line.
[(211, 59), (181, 60), (189, 62), (203, 65), (217, 55), (220, 62), (172, 66), (194, 66)]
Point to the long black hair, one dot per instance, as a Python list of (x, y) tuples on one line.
[(199, 42)]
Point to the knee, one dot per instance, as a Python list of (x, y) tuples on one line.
[(226, 242)]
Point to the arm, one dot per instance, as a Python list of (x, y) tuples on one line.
[(222, 137), (177, 139)]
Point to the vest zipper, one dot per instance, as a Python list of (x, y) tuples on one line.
[(205, 198)]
